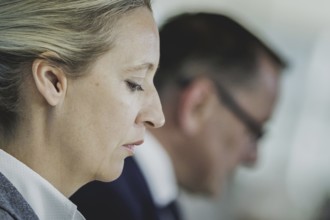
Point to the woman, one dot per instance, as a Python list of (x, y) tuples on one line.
[(76, 93)]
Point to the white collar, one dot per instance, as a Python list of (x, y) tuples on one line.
[(46, 201), (158, 171)]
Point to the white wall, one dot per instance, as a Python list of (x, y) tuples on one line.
[(294, 154)]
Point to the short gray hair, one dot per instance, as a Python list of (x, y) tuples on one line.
[(77, 31)]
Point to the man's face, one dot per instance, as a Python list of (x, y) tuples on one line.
[(226, 141)]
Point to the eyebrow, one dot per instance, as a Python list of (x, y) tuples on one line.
[(147, 66)]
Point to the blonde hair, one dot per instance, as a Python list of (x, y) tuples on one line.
[(77, 31)]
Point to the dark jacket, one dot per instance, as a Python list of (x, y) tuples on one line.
[(127, 198)]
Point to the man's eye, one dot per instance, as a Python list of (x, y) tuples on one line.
[(134, 86)]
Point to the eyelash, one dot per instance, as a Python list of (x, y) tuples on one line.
[(134, 86)]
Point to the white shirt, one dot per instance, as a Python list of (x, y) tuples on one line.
[(158, 171), (46, 201)]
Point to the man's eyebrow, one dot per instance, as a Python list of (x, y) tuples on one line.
[(144, 66)]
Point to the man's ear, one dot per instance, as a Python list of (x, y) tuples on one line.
[(50, 81), (196, 103)]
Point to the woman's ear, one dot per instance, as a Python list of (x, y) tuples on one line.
[(50, 81), (196, 103)]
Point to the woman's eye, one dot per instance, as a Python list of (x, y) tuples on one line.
[(134, 86)]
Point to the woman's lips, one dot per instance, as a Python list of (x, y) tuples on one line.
[(131, 146)]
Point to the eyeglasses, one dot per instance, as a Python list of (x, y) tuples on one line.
[(226, 98), (240, 113)]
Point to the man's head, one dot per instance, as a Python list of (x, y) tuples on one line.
[(218, 84)]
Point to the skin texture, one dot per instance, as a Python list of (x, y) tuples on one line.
[(208, 142), (75, 130)]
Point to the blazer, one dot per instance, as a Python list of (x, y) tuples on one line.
[(127, 198), (12, 204)]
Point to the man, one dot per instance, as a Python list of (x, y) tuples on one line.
[(218, 84)]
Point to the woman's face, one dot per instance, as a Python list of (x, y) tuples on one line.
[(107, 110)]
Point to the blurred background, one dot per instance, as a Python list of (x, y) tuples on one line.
[(292, 179)]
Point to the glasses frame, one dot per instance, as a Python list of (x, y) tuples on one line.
[(252, 124), (228, 100)]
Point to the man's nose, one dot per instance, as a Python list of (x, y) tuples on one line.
[(250, 156)]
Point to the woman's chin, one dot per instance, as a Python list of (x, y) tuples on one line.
[(113, 173)]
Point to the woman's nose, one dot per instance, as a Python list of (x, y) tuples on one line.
[(151, 114)]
